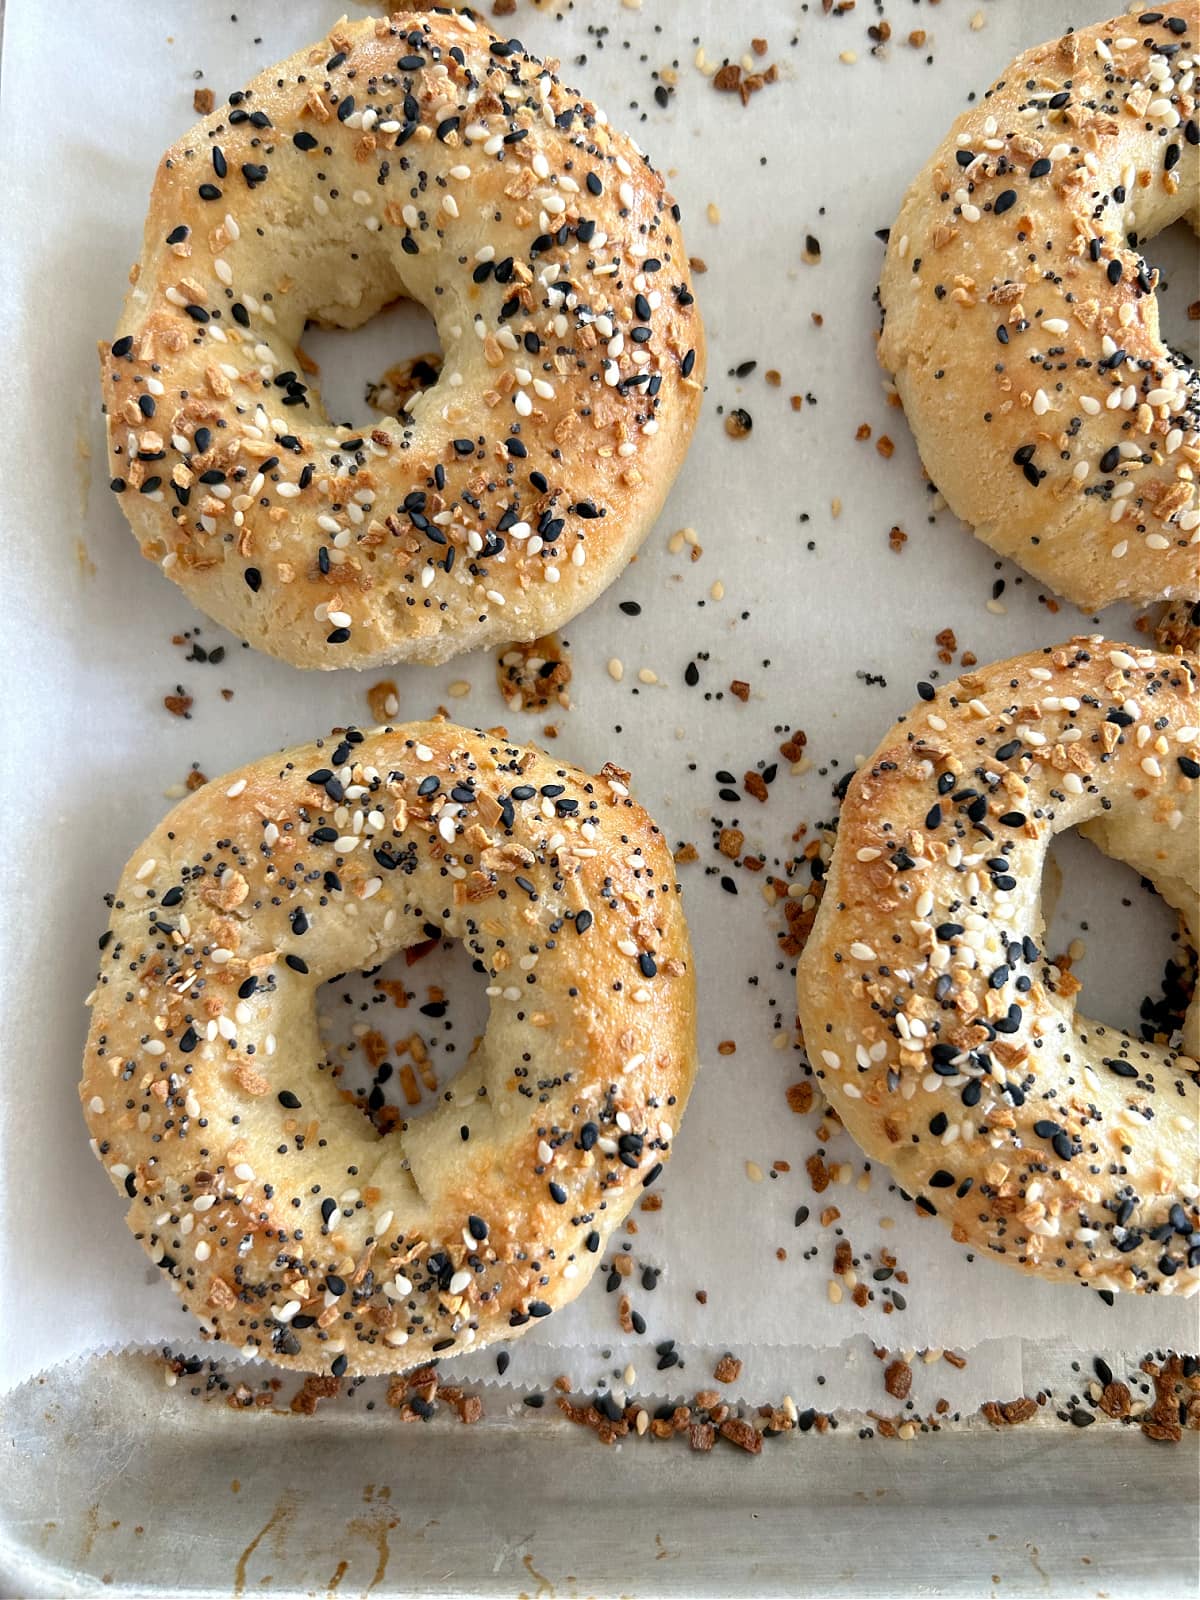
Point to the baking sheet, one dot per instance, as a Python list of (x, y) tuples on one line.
[(795, 589), (156, 1493)]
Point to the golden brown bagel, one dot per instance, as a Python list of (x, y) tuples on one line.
[(947, 1043), (419, 158), (285, 1222), (1020, 321)]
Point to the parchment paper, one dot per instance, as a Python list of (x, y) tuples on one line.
[(828, 625)]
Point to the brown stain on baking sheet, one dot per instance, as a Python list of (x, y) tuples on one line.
[(544, 1586), (1034, 1553), (91, 1527), (339, 1572), (375, 1530), (275, 1521)]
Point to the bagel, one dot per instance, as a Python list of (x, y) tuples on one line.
[(1021, 324), (282, 1218), (421, 158), (947, 1043)]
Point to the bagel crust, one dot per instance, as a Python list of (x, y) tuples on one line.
[(282, 1218), (944, 1037), (421, 158), (1020, 320)]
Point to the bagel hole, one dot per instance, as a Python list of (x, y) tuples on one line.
[(372, 371), (1131, 956), (1173, 252), (397, 1036)]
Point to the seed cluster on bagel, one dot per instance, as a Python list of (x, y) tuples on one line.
[(422, 157), (280, 1215), (1021, 321), (946, 1040)]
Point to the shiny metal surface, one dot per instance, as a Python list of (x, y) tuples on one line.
[(111, 1483)]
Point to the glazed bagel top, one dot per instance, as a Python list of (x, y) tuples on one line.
[(945, 1039), (286, 1222), (1020, 320), (422, 158)]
